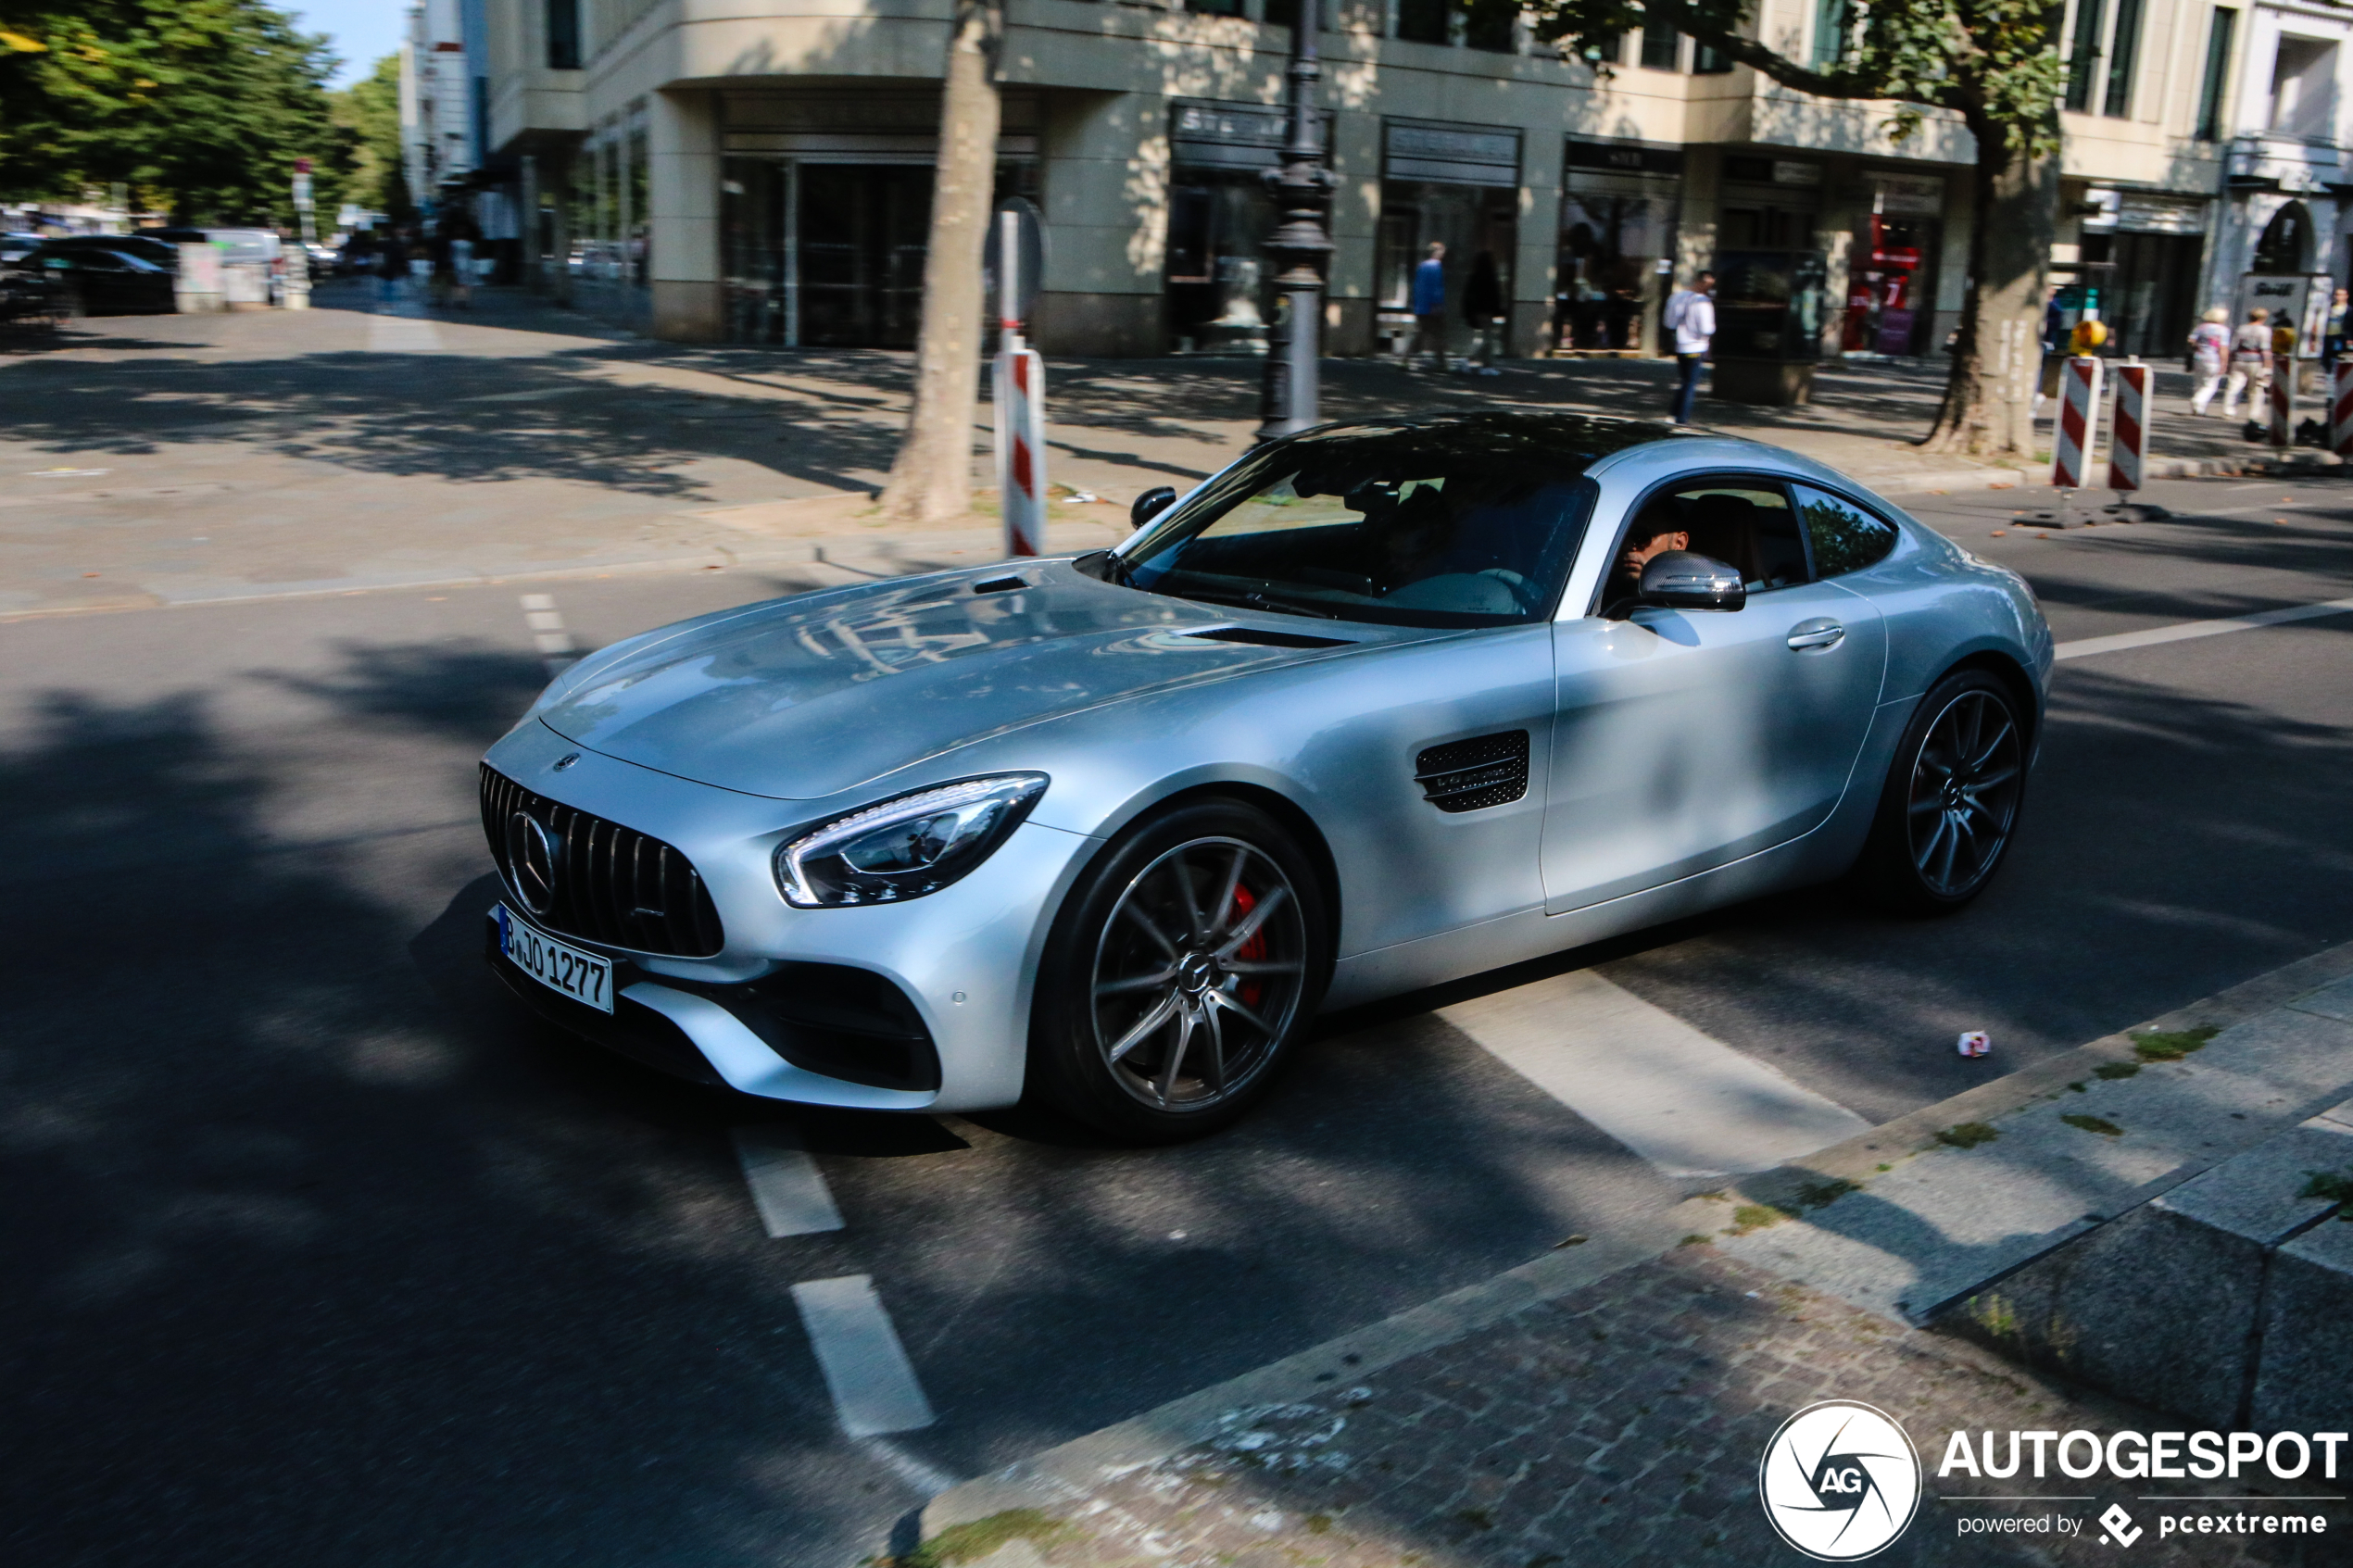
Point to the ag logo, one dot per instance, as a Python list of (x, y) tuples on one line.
[(1839, 1481)]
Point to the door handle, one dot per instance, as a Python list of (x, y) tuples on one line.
[(1816, 634)]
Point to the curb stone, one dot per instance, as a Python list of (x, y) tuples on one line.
[(1065, 1475)]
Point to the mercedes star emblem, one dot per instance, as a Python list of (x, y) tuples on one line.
[(531, 861)]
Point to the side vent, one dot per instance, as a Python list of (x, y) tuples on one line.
[(1467, 775), (1261, 637)]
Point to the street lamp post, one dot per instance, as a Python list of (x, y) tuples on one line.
[(1302, 187)]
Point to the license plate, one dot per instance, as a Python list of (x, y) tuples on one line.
[(583, 977)]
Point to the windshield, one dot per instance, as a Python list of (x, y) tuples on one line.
[(1423, 526)]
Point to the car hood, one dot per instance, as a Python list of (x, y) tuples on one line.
[(805, 698)]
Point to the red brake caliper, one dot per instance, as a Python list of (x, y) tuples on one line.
[(1252, 950)]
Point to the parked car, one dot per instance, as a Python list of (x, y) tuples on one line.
[(145, 246), (14, 247), (32, 300), (103, 281), (1377, 706)]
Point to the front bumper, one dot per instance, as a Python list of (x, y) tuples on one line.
[(963, 960)]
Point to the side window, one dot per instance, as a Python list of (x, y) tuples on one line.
[(1747, 523), (1845, 537)]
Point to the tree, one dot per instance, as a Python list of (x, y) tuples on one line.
[(200, 104), (368, 112), (1995, 64), (931, 479)]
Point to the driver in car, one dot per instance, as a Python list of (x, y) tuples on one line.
[(1650, 535)]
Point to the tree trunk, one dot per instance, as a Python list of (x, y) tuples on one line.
[(931, 479), (1989, 401)]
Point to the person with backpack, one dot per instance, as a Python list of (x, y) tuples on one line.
[(1690, 316)]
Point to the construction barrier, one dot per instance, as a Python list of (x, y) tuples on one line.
[(2128, 441), (2341, 410), (2078, 423), (1021, 446)]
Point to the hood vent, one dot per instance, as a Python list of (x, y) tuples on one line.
[(1468, 775), (998, 584), (1261, 637)]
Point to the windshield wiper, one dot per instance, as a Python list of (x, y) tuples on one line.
[(1253, 600)]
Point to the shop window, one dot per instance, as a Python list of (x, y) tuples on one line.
[(2286, 242), (2084, 56), (2304, 87), (563, 34), (638, 258), (2218, 74), (1611, 248)]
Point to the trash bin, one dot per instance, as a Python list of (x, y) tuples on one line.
[(1769, 325)]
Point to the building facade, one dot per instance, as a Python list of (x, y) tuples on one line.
[(760, 172)]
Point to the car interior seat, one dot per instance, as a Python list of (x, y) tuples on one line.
[(1723, 527)]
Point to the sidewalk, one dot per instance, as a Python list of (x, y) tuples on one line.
[(170, 461), (1610, 1403)]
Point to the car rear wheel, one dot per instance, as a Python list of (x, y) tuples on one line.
[(1953, 793), (1180, 974)]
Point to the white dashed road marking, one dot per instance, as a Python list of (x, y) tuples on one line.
[(1689, 1104), (2183, 630), (557, 650), (872, 1383), (786, 1186)]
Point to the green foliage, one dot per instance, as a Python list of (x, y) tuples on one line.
[(970, 1542), (1967, 1135), (199, 104), (2171, 1045), (367, 113), (1995, 62), (2117, 1069), (2334, 1186), (2099, 1124)]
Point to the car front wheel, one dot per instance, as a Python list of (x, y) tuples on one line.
[(1181, 972), (1951, 804)]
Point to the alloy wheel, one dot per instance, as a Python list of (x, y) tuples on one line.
[(1965, 792), (1198, 974)]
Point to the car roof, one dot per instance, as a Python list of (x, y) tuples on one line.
[(1593, 436)]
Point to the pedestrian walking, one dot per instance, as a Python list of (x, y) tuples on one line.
[(461, 270), (1690, 316), (1483, 308), (1429, 305), (2250, 364), (2332, 335), (2210, 356), (391, 266)]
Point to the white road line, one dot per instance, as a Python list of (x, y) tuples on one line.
[(874, 1386), (557, 650), (2182, 631), (786, 1186), (1689, 1104), (403, 335)]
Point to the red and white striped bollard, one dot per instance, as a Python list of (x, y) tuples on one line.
[(2079, 420), (2128, 441), (1020, 385)]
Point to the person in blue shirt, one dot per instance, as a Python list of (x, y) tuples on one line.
[(1429, 305)]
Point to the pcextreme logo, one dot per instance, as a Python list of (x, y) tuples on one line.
[(1839, 1481)]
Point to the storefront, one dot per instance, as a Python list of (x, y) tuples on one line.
[(1619, 206), (825, 212), (1457, 185), (2152, 244), (1891, 287), (1220, 292)]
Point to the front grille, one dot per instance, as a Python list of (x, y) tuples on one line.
[(1465, 775), (612, 884)]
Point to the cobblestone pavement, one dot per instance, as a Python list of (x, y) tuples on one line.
[(1620, 1424)]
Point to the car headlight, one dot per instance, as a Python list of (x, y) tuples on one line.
[(906, 848)]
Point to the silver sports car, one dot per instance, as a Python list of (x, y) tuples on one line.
[(1378, 706)]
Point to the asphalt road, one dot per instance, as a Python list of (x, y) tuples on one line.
[(320, 1251)]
